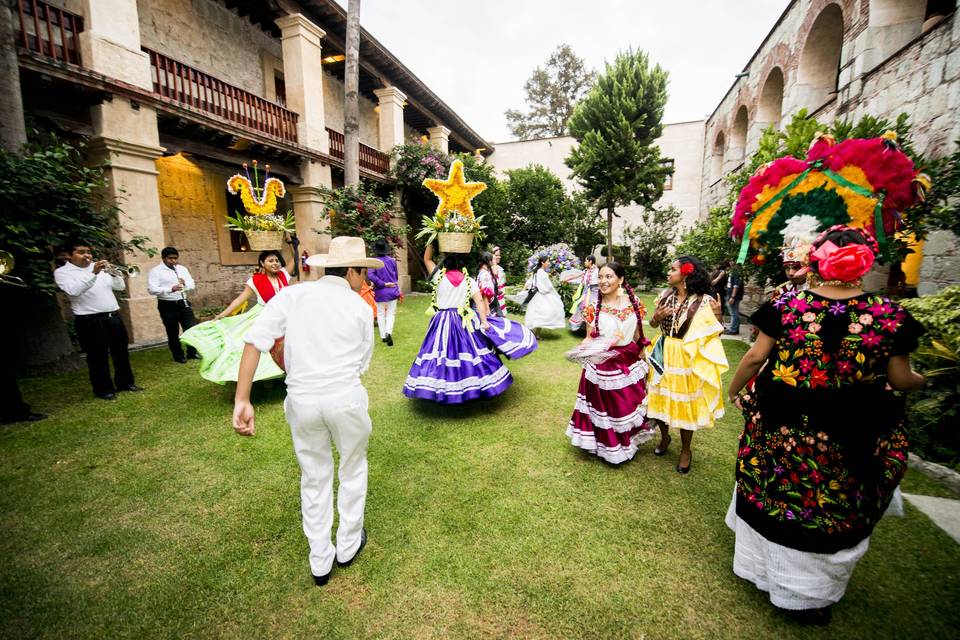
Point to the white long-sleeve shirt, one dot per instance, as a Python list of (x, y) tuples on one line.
[(329, 335), (88, 292), (162, 279)]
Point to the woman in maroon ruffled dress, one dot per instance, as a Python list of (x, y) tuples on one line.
[(609, 417)]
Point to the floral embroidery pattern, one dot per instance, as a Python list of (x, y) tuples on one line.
[(800, 359), (590, 312)]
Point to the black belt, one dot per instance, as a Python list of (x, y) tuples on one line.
[(181, 301), (104, 314)]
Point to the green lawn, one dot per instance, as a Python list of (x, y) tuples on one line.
[(148, 517)]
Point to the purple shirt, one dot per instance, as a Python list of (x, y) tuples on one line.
[(379, 278)]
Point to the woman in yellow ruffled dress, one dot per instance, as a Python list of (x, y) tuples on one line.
[(687, 360)]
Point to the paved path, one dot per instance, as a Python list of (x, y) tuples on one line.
[(944, 512)]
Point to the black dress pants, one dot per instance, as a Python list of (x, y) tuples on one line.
[(12, 406), (100, 335), (176, 314)]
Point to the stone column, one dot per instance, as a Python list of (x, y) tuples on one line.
[(303, 76), (439, 138), (110, 41), (126, 143), (391, 102)]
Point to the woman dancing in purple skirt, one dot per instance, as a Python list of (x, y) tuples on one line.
[(458, 360)]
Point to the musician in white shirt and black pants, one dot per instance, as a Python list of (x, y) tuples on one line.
[(89, 287), (170, 282)]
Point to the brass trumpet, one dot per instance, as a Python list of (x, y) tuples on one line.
[(6, 266), (120, 270)]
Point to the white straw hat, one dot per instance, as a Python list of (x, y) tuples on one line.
[(345, 251)]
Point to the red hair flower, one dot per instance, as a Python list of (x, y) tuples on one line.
[(686, 269)]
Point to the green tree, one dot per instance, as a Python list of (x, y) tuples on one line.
[(552, 93), (616, 160), (649, 241), (709, 239)]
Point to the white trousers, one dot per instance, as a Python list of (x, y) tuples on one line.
[(314, 420), (386, 312)]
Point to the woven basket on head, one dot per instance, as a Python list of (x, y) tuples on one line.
[(264, 240), (455, 242)]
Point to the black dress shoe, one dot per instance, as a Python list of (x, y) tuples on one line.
[(181, 359), (107, 396), (389, 340), (662, 451), (28, 417), (131, 387), (686, 469), (363, 543), (193, 356), (35, 417), (322, 580)]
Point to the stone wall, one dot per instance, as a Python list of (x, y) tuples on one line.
[(206, 35), (333, 91), (941, 262)]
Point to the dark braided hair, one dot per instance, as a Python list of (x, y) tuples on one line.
[(486, 260), (698, 282), (620, 272)]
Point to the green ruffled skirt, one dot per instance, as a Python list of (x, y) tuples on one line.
[(220, 345)]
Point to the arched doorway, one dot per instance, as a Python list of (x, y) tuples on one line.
[(716, 157), (819, 66), (738, 139), (770, 106)]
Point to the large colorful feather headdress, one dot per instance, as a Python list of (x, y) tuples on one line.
[(862, 183)]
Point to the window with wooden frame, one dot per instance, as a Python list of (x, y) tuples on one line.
[(667, 163)]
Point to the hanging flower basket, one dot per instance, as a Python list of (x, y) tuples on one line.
[(264, 240), (451, 242)]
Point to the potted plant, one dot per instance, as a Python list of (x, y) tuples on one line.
[(261, 223)]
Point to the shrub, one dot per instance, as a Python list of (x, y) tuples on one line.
[(933, 412), (357, 210)]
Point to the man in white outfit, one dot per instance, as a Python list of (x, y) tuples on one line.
[(328, 330)]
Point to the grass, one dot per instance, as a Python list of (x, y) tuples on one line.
[(148, 517)]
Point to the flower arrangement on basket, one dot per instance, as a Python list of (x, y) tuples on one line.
[(261, 223), (453, 223), (862, 183)]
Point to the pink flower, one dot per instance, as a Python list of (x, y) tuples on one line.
[(806, 364), (866, 319), (844, 367), (809, 316), (889, 324), (799, 304), (855, 328), (871, 339), (797, 334), (813, 327)]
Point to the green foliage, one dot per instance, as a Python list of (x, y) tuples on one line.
[(616, 126), (709, 239), (933, 412), (357, 210), (552, 92), (49, 195), (648, 241), (941, 209), (276, 222)]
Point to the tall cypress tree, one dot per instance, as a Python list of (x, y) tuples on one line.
[(616, 125)]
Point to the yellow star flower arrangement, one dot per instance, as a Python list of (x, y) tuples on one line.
[(454, 214)]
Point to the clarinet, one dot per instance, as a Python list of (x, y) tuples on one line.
[(183, 293)]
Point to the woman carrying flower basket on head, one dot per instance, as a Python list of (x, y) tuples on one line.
[(545, 310), (458, 360), (824, 446), (220, 341), (609, 416), (684, 390)]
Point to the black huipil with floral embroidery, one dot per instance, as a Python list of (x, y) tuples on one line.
[(823, 446)]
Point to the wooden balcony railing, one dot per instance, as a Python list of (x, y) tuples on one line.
[(370, 158), (188, 86), (49, 31)]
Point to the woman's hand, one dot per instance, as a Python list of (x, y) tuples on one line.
[(715, 304), (659, 312)]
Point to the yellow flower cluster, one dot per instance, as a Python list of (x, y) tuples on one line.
[(455, 192), (262, 205)]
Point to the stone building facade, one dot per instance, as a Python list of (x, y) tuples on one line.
[(681, 144), (843, 60), (175, 95)]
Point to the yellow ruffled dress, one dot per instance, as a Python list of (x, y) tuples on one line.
[(689, 392)]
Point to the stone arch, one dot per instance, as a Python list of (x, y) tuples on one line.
[(819, 67), (716, 157), (894, 23), (738, 136), (770, 104)]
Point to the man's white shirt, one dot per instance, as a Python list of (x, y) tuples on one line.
[(88, 292), (162, 279), (329, 335)]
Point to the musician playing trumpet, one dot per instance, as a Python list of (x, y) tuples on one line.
[(90, 288)]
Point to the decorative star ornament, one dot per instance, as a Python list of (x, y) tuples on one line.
[(455, 193)]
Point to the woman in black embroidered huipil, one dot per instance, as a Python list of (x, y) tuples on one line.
[(823, 448)]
